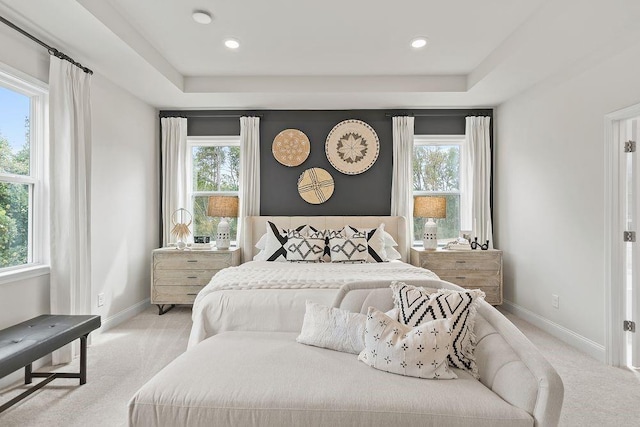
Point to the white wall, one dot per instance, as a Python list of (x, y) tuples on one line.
[(549, 196), (124, 199)]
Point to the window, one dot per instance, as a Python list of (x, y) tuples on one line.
[(22, 210), (436, 172), (214, 169)]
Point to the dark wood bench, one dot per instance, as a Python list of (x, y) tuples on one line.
[(26, 342)]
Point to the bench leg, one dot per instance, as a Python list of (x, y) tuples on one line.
[(83, 359), (27, 374)]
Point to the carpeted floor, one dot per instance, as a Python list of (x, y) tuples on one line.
[(124, 358)]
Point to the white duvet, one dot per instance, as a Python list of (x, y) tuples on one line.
[(271, 296)]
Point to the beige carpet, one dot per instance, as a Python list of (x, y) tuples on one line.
[(124, 358)]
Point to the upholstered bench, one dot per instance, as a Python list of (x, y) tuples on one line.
[(26, 342)]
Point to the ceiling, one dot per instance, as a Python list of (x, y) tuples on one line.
[(331, 54)]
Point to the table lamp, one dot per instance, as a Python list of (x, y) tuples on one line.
[(430, 207), (223, 207)]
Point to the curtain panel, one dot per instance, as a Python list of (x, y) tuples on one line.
[(249, 172), (402, 182), (174, 172), (70, 188), (478, 183)]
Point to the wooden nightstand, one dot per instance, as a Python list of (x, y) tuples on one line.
[(470, 269), (177, 276)]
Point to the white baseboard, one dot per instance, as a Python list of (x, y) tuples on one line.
[(124, 315), (576, 340)]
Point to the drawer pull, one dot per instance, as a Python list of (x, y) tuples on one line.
[(192, 294), (192, 260), (460, 262), (192, 277), (460, 277)]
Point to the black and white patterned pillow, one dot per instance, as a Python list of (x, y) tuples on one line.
[(375, 241), (274, 248), (326, 235), (415, 306), (304, 249), (350, 249)]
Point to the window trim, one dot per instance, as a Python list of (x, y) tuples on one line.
[(38, 245), (440, 140), (207, 141)]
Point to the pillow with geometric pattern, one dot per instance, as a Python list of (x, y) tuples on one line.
[(375, 241), (274, 248), (420, 351), (304, 249), (415, 307), (346, 250)]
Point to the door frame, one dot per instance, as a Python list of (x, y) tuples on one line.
[(615, 337)]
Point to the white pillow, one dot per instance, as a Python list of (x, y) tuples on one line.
[(262, 242), (392, 253), (416, 352), (332, 328), (388, 239), (304, 249), (353, 249)]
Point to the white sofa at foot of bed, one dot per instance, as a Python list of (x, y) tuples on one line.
[(268, 379)]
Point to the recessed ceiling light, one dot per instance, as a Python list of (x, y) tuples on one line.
[(201, 17), (419, 42), (232, 43)]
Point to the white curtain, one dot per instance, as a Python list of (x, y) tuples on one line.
[(477, 179), (70, 185), (174, 175), (402, 181), (249, 171)]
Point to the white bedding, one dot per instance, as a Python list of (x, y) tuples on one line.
[(271, 296)]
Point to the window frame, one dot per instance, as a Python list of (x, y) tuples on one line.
[(207, 141), (440, 140), (38, 217)]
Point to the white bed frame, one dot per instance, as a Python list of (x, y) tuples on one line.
[(255, 227)]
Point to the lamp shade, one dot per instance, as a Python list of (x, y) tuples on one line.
[(430, 207), (223, 206)]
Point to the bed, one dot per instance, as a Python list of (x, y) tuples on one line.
[(271, 296)]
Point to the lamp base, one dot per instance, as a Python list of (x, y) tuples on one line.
[(223, 238), (430, 241)]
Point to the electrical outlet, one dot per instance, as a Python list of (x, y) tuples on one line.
[(555, 301), (100, 299)]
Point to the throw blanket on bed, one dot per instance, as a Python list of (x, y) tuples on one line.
[(280, 290)]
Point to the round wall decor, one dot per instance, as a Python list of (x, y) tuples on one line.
[(291, 147), (352, 147), (315, 186)]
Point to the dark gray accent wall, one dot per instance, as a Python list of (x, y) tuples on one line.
[(368, 193)]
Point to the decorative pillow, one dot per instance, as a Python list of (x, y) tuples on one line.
[(304, 249), (274, 248), (327, 235), (352, 249), (332, 328), (388, 239), (416, 307), (375, 241), (416, 352), (392, 253)]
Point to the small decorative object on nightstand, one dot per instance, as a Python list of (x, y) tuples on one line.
[(223, 207), (178, 276), (181, 220), (469, 269), (430, 207)]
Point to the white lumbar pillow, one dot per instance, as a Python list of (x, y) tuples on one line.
[(332, 328)]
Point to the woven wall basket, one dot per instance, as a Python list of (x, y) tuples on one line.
[(315, 186), (291, 147), (352, 147)]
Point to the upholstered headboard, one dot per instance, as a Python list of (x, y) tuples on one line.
[(255, 227)]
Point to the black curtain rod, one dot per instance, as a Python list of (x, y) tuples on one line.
[(52, 51), (465, 114), (217, 116)]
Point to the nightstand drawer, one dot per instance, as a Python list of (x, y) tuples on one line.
[(469, 279), (175, 294), (183, 277), (192, 261), (461, 261)]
